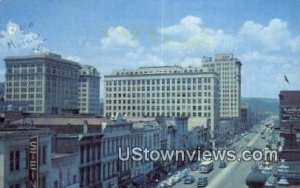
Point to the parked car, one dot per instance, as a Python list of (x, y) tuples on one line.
[(222, 164), (189, 180), (176, 178), (170, 181), (194, 167), (202, 181), (184, 173), (166, 183)]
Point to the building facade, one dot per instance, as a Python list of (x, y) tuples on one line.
[(229, 69), (65, 171), (89, 90), (289, 129), (48, 82), (163, 91), (120, 135), (290, 122), (88, 145), (14, 152), (198, 133)]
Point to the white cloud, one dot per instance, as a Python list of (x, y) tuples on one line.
[(187, 37), (73, 58), (187, 26), (190, 36), (273, 37), (119, 37), (266, 51), (120, 49), (191, 62)]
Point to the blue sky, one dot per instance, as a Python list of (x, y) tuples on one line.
[(117, 34)]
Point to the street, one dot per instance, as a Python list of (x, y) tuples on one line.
[(235, 173)]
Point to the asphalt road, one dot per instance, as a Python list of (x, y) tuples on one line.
[(235, 173)]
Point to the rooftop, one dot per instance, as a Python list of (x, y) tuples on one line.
[(45, 55), (67, 121), (88, 70), (167, 69), (11, 132)]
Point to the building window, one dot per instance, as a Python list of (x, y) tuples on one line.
[(26, 158), (74, 179), (11, 161), (88, 154), (44, 155), (82, 154), (55, 185), (15, 186), (42, 181), (93, 152), (82, 177), (14, 160), (17, 160)]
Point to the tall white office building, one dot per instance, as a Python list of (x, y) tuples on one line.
[(89, 90), (47, 81), (229, 69), (163, 91)]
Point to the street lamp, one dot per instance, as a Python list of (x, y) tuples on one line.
[(283, 169), (267, 170)]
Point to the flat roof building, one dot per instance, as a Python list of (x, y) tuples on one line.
[(89, 90), (47, 81), (229, 69), (163, 91)]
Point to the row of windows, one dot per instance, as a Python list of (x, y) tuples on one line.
[(232, 82), (228, 108), (24, 70), (31, 89), (158, 88), (24, 96), (158, 81), (161, 71), (15, 159), (158, 108), (168, 114), (229, 87), (158, 101), (173, 94), (14, 77), (229, 95), (23, 83)]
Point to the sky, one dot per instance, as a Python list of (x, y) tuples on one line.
[(125, 34)]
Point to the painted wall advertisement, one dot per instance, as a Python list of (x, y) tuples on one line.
[(33, 162)]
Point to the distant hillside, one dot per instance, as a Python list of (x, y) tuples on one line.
[(262, 104)]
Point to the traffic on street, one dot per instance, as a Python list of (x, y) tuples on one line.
[(225, 174)]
